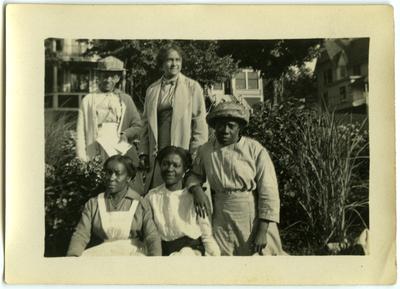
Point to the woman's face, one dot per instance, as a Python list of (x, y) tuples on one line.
[(172, 169), (108, 80), (227, 131), (172, 64), (117, 178)]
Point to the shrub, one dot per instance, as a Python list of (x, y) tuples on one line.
[(322, 167), (69, 183), (322, 178), (57, 129)]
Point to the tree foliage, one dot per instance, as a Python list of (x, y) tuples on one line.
[(301, 83), (322, 166), (200, 61), (275, 59), (272, 57)]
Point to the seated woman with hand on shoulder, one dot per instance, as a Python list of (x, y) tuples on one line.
[(119, 218), (181, 231)]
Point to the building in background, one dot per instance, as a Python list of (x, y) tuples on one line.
[(69, 73), (342, 75), (247, 83), (341, 72)]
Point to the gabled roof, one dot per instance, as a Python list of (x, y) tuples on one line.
[(356, 49), (332, 48)]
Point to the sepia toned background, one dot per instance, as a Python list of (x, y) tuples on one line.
[(309, 99), (376, 268)]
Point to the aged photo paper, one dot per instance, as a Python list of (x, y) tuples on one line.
[(27, 28)]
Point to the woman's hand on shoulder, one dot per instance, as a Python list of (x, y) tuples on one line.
[(201, 201)]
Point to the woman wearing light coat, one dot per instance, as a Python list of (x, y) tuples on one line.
[(174, 114), (108, 112)]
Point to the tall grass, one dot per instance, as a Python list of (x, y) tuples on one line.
[(58, 128), (328, 156), (322, 165)]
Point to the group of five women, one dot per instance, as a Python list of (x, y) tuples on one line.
[(175, 216)]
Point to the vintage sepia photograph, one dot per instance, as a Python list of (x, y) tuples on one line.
[(253, 143), (166, 147)]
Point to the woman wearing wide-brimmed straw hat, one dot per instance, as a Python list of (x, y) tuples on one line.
[(243, 182), (107, 117)]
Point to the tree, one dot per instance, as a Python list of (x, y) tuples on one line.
[(301, 83), (273, 58), (200, 61)]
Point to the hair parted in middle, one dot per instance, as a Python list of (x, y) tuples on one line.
[(184, 155), (131, 168), (163, 53)]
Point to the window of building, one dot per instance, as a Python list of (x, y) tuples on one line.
[(356, 70), (228, 87), (328, 76), (240, 80), (83, 46), (342, 72), (48, 79), (247, 80), (80, 81), (342, 92), (252, 80), (59, 44), (60, 79)]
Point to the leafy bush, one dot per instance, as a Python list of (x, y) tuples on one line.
[(69, 183), (322, 168)]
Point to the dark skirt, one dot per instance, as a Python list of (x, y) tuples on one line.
[(169, 247)]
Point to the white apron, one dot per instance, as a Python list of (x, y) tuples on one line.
[(109, 140), (117, 227)]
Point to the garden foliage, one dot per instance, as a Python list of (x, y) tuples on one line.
[(200, 62), (322, 167), (321, 163), (69, 183)]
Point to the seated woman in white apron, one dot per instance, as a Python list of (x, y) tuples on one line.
[(181, 231), (120, 218)]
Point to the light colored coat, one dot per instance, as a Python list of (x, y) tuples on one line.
[(87, 128), (189, 129)]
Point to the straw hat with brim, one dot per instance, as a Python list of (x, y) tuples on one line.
[(231, 110), (110, 63)]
